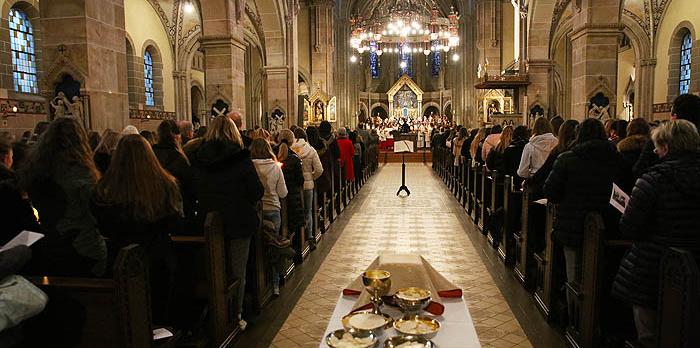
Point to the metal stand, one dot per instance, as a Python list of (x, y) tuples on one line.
[(403, 177)]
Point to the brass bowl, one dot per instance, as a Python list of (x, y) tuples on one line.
[(434, 325), (378, 330), (339, 334), (377, 283), (412, 299), (399, 340)]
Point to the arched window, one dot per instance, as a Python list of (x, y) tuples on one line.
[(148, 79), (686, 47), (23, 59)]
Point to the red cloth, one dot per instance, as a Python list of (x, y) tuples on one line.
[(347, 150)]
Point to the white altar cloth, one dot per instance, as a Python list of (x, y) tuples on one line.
[(456, 326)]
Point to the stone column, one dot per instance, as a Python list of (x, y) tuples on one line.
[(322, 49), (489, 15), (224, 69), (594, 66), (538, 91), (182, 95), (644, 88), (91, 33)]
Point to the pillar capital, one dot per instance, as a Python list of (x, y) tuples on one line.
[(218, 41)]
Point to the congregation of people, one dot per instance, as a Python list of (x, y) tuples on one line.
[(92, 193), (575, 165)]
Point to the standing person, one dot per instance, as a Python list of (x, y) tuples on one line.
[(326, 133), (630, 149), (357, 156), (104, 150), (313, 169), (169, 152), (347, 150), (580, 182), (226, 181), (294, 180), (94, 139), (537, 150), (237, 118), (60, 177), (685, 107), (661, 213), (148, 135), (323, 183), (272, 179), (186, 131), (15, 209), (137, 201)]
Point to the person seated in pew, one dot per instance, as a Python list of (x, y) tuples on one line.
[(661, 213), (103, 152), (475, 147), (458, 145), (312, 170), (137, 201), (226, 181), (566, 136), (272, 178), (16, 211), (60, 176), (580, 182), (491, 140), (630, 149), (514, 152), (169, 152), (294, 180), (538, 148), (495, 158)]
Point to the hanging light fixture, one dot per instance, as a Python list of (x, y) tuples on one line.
[(403, 22)]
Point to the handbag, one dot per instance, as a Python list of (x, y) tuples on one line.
[(19, 300)]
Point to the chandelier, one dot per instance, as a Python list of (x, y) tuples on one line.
[(404, 27)]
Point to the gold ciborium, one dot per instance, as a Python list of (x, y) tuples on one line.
[(377, 283)]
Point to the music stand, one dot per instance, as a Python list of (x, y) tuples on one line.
[(402, 147)]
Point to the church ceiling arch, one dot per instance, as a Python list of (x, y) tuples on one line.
[(273, 16), (365, 7), (181, 18)]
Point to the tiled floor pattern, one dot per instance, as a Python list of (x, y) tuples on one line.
[(423, 223)]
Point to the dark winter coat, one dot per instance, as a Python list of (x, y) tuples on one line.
[(115, 222), (511, 158), (535, 184), (647, 158), (323, 183), (294, 179), (102, 161), (177, 165), (662, 212), (630, 149), (332, 145), (580, 182), (226, 181), (15, 210)]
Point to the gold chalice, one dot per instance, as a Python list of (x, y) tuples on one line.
[(377, 283)]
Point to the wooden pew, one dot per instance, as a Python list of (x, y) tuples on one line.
[(471, 187), (589, 293), (495, 202), (117, 310), (476, 193), (545, 262), (679, 305), (523, 250), (464, 183), (512, 206)]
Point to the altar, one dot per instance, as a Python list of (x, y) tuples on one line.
[(405, 99)]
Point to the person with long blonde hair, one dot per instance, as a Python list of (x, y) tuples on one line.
[(494, 160), (226, 182), (474, 146), (139, 202)]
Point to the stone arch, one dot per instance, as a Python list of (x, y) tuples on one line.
[(542, 13), (273, 14), (134, 69), (382, 106), (31, 9), (152, 48), (427, 105), (644, 80), (674, 55), (197, 105)]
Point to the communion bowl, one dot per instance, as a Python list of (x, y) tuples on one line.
[(417, 325), (377, 283), (397, 341), (366, 322), (351, 338), (412, 299)]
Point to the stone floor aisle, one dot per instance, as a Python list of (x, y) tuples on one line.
[(425, 223)]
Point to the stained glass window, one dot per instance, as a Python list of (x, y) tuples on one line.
[(22, 46), (686, 47), (148, 78), (373, 60), (405, 61), (436, 59)]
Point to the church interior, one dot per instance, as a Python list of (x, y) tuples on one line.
[(223, 173)]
